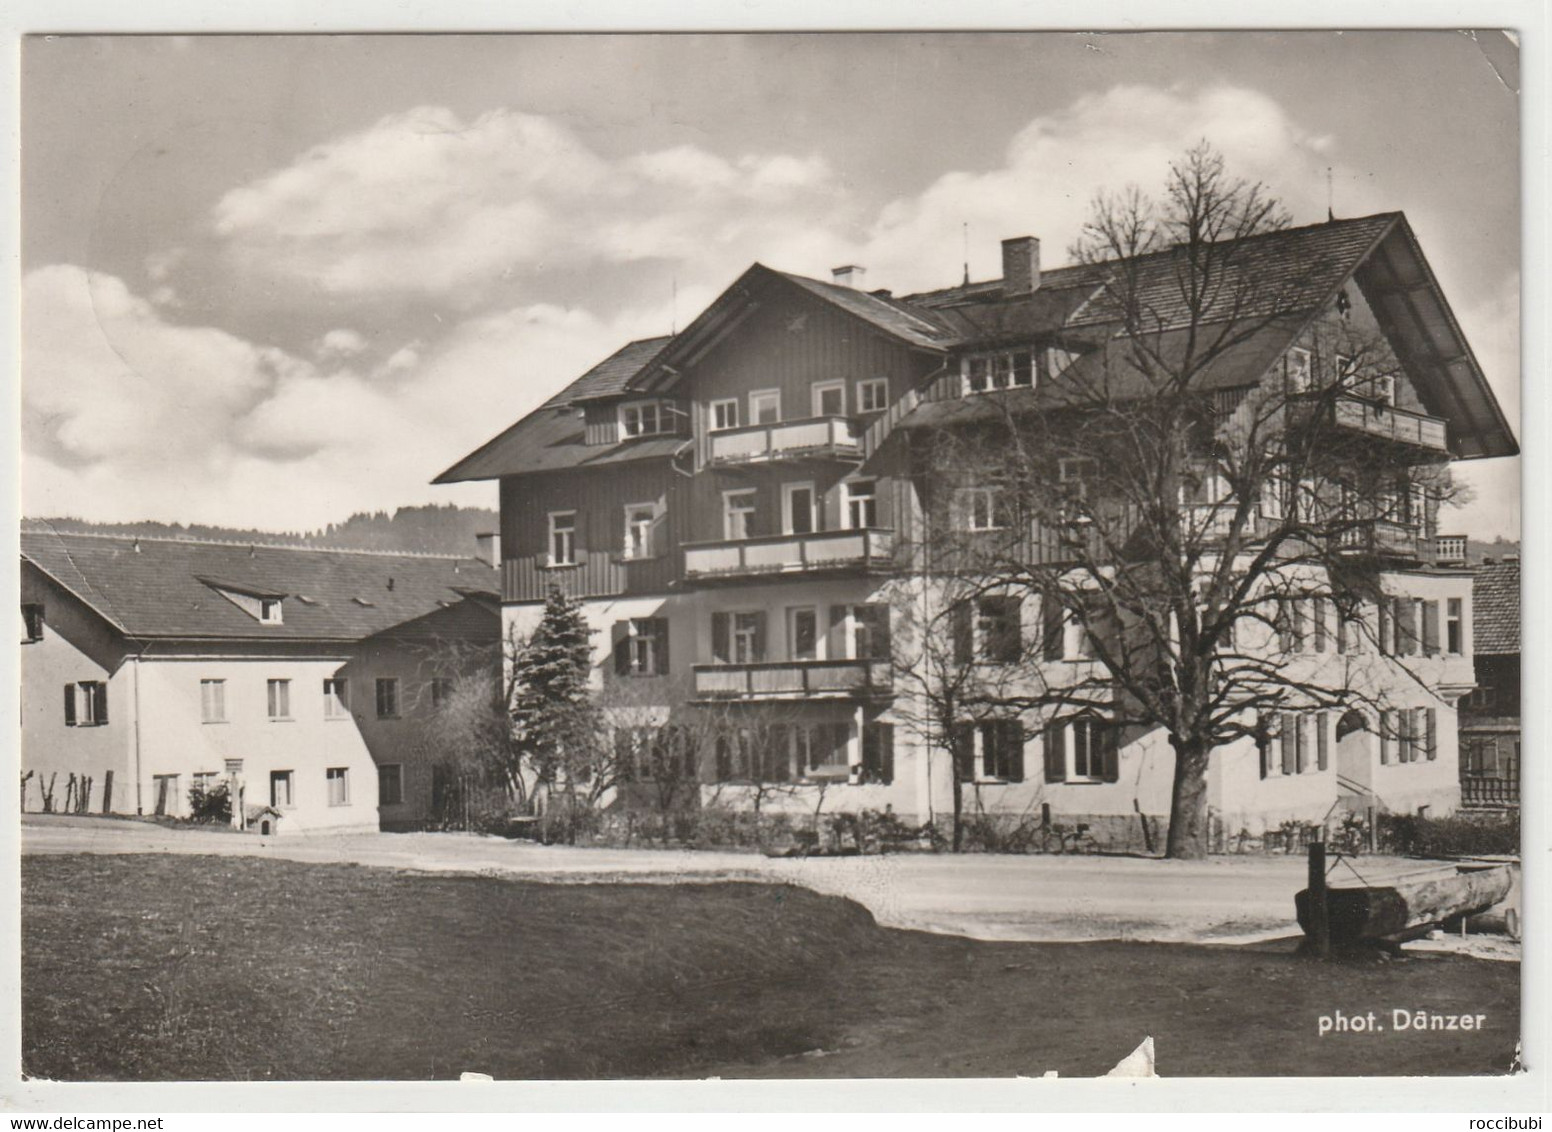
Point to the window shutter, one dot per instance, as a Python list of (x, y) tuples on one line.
[(1430, 627), (1322, 740), (1342, 630), (1290, 730), (1264, 749), (100, 702), (883, 643), (839, 645), (1300, 744), (1431, 724), (660, 644), (1051, 622), (1284, 626), (657, 537), (1320, 605), (69, 705), (1406, 626), (1055, 753), (1109, 739), (1012, 750), (1387, 628), (963, 630), (722, 637), (621, 634), (962, 742), (1385, 738), (759, 636)]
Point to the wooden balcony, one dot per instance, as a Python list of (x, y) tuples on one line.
[(795, 680), (821, 552), (1386, 422), (819, 438), (1385, 538)]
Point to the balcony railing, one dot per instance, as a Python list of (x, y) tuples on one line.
[(1386, 537), (1489, 793), (819, 552), (794, 679), (1387, 422), (817, 438)]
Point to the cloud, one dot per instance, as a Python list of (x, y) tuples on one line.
[(128, 415), (424, 203), (1055, 164)]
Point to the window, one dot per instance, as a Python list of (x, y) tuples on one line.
[(829, 398), (861, 631), (1453, 638), (337, 778), (32, 623), (640, 519), (1299, 370), (798, 508), (1382, 388), (441, 691), (803, 633), (563, 538), (738, 513), (982, 509), (212, 701), (86, 704), (878, 754), (984, 373), (873, 395), (269, 611), (987, 629), (765, 406), (336, 698), (387, 697), (861, 503), (279, 699), (646, 419), (992, 750), (748, 638), (1084, 750), (641, 647), (724, 415), (280, 795), (390, 784)]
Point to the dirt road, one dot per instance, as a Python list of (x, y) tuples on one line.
[(1033, 898)]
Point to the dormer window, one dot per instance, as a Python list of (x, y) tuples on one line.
[(1006, 369), (646, 418), (259, 602), (1300, 369)]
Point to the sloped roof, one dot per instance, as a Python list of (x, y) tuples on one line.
[(551, 437), (149, 588), (914, 327), (1495, 609)]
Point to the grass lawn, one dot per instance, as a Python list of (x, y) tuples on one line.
[(188, 968)]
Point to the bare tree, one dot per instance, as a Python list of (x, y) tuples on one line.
[(1176, 501)]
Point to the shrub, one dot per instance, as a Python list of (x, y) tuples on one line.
[(210, 805), (1462, 835)]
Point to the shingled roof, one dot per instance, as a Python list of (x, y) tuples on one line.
[(1277, 276), (172, 588), (1495, 609)]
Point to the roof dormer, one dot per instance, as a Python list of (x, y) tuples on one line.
[(261, 603)]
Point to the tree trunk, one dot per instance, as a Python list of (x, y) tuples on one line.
[(959, 807), (1188, 801)]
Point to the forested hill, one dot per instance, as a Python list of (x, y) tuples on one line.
[(430, 529)]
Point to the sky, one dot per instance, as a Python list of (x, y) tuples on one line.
[(270, 281)]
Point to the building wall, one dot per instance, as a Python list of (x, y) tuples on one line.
[(176, 740), (76, 646)]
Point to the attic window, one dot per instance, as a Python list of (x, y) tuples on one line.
[(363, 601), (646, 418), (1009, 369), (269, 611)]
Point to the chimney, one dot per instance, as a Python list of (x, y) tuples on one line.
[(487, 548), (849, 275), (1020, 266)]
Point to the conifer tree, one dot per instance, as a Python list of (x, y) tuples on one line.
[(556, 722)]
